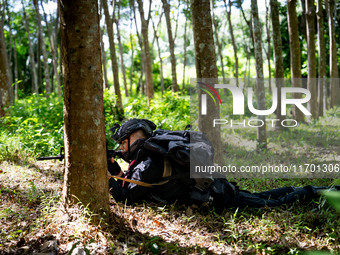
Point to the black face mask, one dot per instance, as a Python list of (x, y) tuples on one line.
[(133, 149)]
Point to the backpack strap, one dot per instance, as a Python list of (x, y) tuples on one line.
[(166, 174)]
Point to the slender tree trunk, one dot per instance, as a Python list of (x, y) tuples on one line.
[(166, 8), (278, 57), (31, 54), (102, 46), (4, 81), (219, 45), (295, 59), (53, 50), (106, 83), (333, 61), (10, 65), (132, 51), (16, 76), (43, 49), (159, 50), (57, 48), (231, 31), (85, 178), (322, 57), (206, 69), (260, 93), (147, 54), (185, 47), (109, 25), (268, 48), (311, 81), (142, 53), (121, 48)]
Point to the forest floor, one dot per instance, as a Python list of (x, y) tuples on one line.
[(33, 221)]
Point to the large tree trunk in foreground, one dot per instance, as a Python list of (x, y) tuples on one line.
[(206, 70), (85, 143)]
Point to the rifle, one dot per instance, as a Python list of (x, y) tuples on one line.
[(109, 153), (60, 156)]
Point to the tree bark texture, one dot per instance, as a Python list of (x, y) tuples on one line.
[(295, 57), (260, 93), (322, 57), (109, 25), (278, 56), (311, 62), (147, 54), (85, 143), (166, 7), (206, 69)]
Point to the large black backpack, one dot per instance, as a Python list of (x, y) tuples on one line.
[(184, 150)]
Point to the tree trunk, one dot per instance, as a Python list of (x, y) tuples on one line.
[(185, 47), (43, 49), (31, 54), (85, 143), (10, 65), (322, 57), (166, 8), (132, 52), (278, 57), (109, 25), (4, 81), (219, 45), (333, 61), (268, 48), (311, 80), (102, 47), (159, 50), (106, 83), (295, 59), (142, 53), (206, 70), (231, 31), (121, 48), (57, 48), (16, 76), (260, 93), (147, 55), (53, 50)]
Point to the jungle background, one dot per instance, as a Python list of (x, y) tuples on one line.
[(148, 58)]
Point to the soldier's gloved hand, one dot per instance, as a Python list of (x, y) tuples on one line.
[(114, 167), (114, 188)]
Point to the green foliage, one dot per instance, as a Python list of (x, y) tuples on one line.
[(34, 124)]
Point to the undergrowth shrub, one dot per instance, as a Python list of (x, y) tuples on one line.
[(34, 125)]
